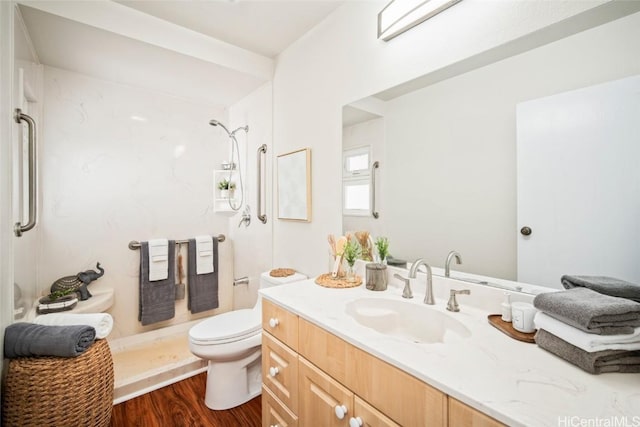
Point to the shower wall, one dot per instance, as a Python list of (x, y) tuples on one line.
[(121, 163), (253, 244)]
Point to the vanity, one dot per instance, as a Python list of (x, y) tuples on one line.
[(351, 357)]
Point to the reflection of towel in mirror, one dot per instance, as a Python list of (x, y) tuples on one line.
[(29, 340), (157, 298), (584, 340), (605, 285), (203, 288), (102, 322), (595, 363), (591, 311)]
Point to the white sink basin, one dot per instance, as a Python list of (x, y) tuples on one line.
[(416, 323)]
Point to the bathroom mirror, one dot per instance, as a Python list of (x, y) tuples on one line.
[(294, 185), (448, 153)]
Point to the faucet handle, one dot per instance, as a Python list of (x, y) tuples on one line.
[(406, 292), (452, 304)]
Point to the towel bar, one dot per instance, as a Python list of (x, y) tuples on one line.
[(134, 244)]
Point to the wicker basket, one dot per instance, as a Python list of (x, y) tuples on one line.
[(60, 391)]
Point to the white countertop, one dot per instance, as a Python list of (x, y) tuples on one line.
[(515, 382)]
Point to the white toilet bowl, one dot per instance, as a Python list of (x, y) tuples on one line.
[(231, 343)]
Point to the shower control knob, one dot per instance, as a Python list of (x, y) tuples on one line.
[(525, 231), (273, 322), (273, 371), (341, 411), (355, 422)]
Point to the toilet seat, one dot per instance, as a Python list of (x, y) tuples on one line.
[(226, 328)]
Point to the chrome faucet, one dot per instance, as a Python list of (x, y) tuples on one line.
[(406, 292), (452, 304), (428, 297), (447, 265)]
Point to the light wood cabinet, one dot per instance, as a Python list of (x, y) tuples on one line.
[(320, 397), (280, 371), (402, 397), (274, 413), (461, 415), (280, 323), (317, 372)]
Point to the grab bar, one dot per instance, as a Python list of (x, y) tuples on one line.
[(375, 166), (261, 150), (18, 229), (134, 244)]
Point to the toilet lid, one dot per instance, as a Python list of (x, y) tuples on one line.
[(233, 324)]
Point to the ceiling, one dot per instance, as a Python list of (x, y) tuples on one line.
[(264, 27), (216, 52)]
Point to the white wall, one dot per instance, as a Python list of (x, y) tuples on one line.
[(340, 61), (253, 244), (109, 179)]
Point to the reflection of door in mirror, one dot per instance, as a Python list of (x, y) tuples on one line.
[(579, 183)]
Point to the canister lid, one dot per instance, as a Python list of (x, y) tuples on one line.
[(375, 266)]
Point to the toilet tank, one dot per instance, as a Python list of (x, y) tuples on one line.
[(267, 281)]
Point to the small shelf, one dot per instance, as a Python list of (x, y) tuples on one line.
[(220, 203)]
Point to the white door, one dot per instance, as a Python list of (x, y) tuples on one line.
[(579, 184)]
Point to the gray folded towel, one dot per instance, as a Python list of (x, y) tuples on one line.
[(605, 285), (29, 340), (203, 288), (597, 362), (591, 311), (157, 298)]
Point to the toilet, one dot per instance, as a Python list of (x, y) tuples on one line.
[(231, 343)]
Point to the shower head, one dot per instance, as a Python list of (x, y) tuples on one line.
[(214, 122)]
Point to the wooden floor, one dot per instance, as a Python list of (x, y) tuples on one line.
[(180, 405)]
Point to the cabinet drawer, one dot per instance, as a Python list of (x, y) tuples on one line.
[(280, 323), (370, 416), (274, 413), (402, 397), (461, 415), (280, 371), (319, 396)]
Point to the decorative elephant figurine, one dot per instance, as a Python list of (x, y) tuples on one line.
[(78, 283)]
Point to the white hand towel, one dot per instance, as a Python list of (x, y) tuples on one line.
[(158, 259), (584, 340), (102, 322), (204, 254)]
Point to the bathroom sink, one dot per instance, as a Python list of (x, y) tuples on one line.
[(417, 323)]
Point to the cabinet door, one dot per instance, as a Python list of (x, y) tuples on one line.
[(366, 415), (274, 413), (280, 323), (280, 371), (461, 415), (322, 398)]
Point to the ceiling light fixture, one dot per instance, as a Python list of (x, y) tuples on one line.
[(402, 15)]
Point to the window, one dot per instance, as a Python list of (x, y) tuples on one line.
[(356, 181)]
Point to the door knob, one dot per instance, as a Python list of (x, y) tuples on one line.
[(525, 231)]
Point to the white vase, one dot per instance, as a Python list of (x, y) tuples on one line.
[(224, 194)]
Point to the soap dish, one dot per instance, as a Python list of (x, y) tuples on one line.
[(507, 328)]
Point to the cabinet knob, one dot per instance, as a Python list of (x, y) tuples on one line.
[(341, 411), (355, 422), (273, 371), (526, 231), (273, 322)]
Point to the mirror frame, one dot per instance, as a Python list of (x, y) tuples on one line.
[(294, 185)]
